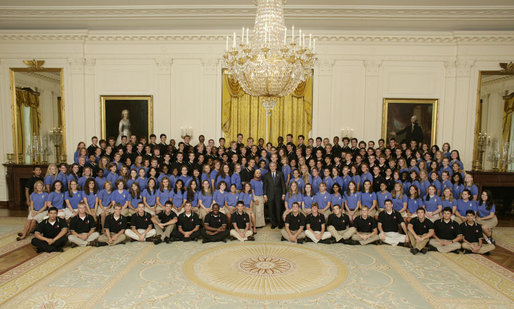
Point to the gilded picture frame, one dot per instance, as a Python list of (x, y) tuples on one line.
[(396, 115), (125, 115)]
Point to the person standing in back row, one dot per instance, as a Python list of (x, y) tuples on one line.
[(275, 194)]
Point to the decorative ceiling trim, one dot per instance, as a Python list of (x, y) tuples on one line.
[(248, 11), (450, 38)]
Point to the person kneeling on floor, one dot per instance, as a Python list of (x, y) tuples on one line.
[(141, 226), (339, 226), (420, 230), (82, 228), (293, 230), (215, 226), (114, 225), (50, 234), (164, 223), (447, 233), (315, 223), (473, 241), (241, 224), (188, 225), (389, 222)]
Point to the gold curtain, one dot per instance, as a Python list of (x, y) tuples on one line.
[(507, 123), (242, 113), (28, 98)]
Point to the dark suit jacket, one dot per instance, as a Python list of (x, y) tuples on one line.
[(412, 134), (274, 189)]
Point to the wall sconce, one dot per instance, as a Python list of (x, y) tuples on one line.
[(186, 131), (347, 132)]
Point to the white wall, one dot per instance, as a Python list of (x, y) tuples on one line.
[(354, 73)]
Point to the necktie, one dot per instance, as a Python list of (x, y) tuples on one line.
[(273, 174)]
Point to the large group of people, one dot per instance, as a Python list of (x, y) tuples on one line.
[(345, 191)]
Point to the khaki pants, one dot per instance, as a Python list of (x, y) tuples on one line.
[(286, 236), (311, 235), (392, 238), (344, 234), (484, 249), (326, 213), (373, 213), (128, 212), (445, 249), (434, 217), (367, 241), (100, 211), (150, 210), (74, 239), (103, 238), (134, 236), (235, 234), (164, 233), (39, 217), (490, 223), (418, 245), (68, 213), (258, 207)]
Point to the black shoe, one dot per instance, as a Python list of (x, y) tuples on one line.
[(74, 245), (299, 241), (60, 249), (251, 238), (224, 240), (38, 250), (307, 239), (273, 227), (204, 241), (157, 241), (167, 240), (232, 238), (414, 251), (424, 250), (283, 238), (431, 248), (101, 244), (467, 251)]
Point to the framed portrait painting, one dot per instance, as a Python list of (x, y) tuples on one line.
[(123, 115), (406, 119)]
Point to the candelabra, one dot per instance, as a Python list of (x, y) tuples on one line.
[(504, 157), (56, 137), (347, 132), (494, 154), (186, 131), (484, 140), (10, 158)]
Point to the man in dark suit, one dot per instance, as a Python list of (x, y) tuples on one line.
[(412, 131), (274, 193)]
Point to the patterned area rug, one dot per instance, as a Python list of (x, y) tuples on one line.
[(265, 273)]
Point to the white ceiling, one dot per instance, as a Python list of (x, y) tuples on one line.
[(428, 15)]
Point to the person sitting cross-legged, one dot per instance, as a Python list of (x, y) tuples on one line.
[(215, 226), (420, 230), (315, 226), (472, 241), (293, 230), (115, 225), (82, 228), (241, 224), (447, 234), (339, 226), (141, 226), (389, 222), (50, 234), (188, 225), (366, 227), (164, 223)]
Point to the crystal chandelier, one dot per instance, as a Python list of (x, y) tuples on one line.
[(268, 63)]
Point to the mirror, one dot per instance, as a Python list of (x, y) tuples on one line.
[(494, 133), (37, 108)]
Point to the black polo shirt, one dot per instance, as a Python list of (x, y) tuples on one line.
[(364, 225), (113, 225), (295, 222), (215, 221), (447, 231), (421, 227), (31, 181), (82, 225), (164, 218), (340, 223), (49, 230), (240, 219), (141, 222), (472, 233), (188, 223), (390, 222), (315, 222)]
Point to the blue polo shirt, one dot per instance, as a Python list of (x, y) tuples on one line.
[(483, 212), (105, 197), (352, 199), (447, 203), (298, 198), (39, 200), (120, 197), (413, 204), (257, 187), (75, 199), (368, 198), (337, 199), (232, 199), (91, 199), (299, 182), (206, 199), (308, 200), (163, 195), (151, 197), (220, 198), (381, 197), (56, 199), (399, 201), (323, 199), (178, 198), (433, 203), (462, 207), (316, 181), (246, 198)]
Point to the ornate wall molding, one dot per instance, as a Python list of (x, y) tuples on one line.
[(164, 65), (450, 38), (372, 67)]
